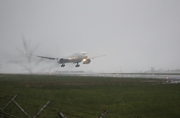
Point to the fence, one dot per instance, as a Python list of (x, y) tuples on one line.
[(20, 108), (5, 114)]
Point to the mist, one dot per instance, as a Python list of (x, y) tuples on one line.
[(134, 35)]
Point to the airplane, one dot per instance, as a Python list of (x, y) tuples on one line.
[(74, 58)]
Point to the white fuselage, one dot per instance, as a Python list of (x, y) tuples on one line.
[(75, 58)]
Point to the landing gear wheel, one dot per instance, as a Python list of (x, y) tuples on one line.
[(62, 65), (77, 65)]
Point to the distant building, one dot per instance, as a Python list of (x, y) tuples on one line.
[(152, 70)]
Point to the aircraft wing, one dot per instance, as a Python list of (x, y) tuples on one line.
[(50, 58), (97, 56)]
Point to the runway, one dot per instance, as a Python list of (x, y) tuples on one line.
[(174, 76)]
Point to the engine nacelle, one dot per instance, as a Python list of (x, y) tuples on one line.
[(86, 61), (61, 60)]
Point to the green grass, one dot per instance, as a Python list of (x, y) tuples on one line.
[(88, 97)]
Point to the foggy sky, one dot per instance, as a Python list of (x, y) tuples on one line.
[(135, 34)]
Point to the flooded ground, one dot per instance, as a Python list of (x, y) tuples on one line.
[(129, 75), (166, 77)]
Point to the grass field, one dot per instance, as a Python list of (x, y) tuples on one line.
[(88, 97)]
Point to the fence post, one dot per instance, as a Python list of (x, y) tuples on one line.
[(9, 102), (4, 113), (20, 108), (61, 115), (1, 113), (103, 114), (41, 109)]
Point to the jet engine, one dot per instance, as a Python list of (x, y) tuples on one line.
[(61, 60), (86, 61)]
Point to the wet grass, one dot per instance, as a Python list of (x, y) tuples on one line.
[(88, 97)]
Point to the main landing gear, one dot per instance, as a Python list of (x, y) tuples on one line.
[(62, 65), (77, 65)]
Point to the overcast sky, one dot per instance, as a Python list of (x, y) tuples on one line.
[(134, 34)]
